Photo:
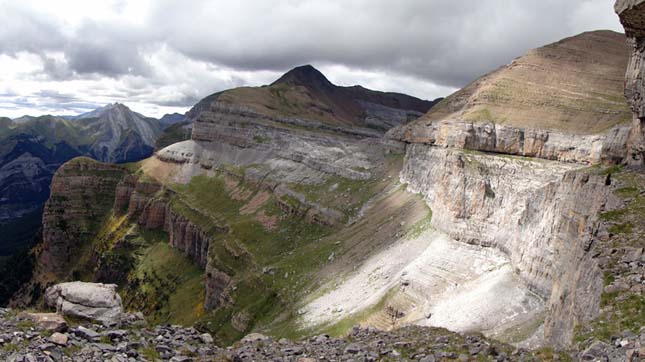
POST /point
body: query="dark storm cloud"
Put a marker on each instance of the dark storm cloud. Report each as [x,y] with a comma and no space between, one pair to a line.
[108,49]
[448,43]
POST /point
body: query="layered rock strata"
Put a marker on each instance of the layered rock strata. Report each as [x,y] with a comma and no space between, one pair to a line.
[632,16]
[91,301]
[605,148]
[541,214]
[82,193]
[137,199]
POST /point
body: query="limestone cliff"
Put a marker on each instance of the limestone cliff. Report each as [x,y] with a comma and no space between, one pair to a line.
[286,210]
[631,13]
[559,102]
[83,192]
[542,214]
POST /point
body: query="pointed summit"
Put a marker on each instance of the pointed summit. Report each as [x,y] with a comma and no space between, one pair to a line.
[101,111]
[307,76]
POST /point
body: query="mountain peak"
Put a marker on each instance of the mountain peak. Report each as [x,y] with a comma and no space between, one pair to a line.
[116,105]
[110,107]
[305,75]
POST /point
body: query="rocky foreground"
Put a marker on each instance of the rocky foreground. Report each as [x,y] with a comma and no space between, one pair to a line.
[31,337]
[28,337]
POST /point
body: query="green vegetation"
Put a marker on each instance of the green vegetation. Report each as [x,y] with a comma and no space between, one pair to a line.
[347,195]
[243,246]
[260,139]
[480,115]
[624,314]
[150,353]
[620,310]
[164,284]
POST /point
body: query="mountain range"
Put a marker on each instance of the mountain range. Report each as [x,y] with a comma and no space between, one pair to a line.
[32,149]
[505,211]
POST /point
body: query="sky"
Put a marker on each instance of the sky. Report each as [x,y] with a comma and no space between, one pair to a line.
[67,57]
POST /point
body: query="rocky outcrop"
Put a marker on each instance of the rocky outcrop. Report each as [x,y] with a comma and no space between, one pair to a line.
[217,284]
[134,342]
[92,301]
[558,102]
[541,214]
[187,237]
[605,148]
[155,213]
[342,153]
[632,16]
[137,199]
[82,193]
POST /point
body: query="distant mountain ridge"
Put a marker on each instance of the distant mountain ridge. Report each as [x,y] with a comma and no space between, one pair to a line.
[32,149]
[305,93]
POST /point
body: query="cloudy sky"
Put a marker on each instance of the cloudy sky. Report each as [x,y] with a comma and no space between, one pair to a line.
[159,56]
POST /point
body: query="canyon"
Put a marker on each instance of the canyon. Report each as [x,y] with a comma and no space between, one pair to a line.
[302,208]
[33,148]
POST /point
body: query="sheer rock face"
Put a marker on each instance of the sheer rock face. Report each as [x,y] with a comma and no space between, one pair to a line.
[632,16]
[82,192]
[605,148]
[137,199]
[541,214]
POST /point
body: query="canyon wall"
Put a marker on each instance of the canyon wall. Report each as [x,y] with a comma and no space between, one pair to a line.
[82,194]
[606,148]
[632,16]
[542,214]
[141,201]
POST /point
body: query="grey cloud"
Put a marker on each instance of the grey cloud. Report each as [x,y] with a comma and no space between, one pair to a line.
[186,100]
[448,43]
[108,49]
[27,29]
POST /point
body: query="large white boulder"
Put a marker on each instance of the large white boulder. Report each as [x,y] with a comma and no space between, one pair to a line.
[93,301]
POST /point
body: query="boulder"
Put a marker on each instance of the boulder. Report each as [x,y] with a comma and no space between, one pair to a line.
[92,301]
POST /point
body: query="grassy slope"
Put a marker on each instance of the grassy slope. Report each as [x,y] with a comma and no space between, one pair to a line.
[574,85]
[165,284]
[273,265]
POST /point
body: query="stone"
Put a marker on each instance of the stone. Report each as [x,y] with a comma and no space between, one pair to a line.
[631,16]
[92,301]
[89,334]
[59,339]
[181,359]
[291,351]
[352,349]
[596,350]
[206,338]
[116,334]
